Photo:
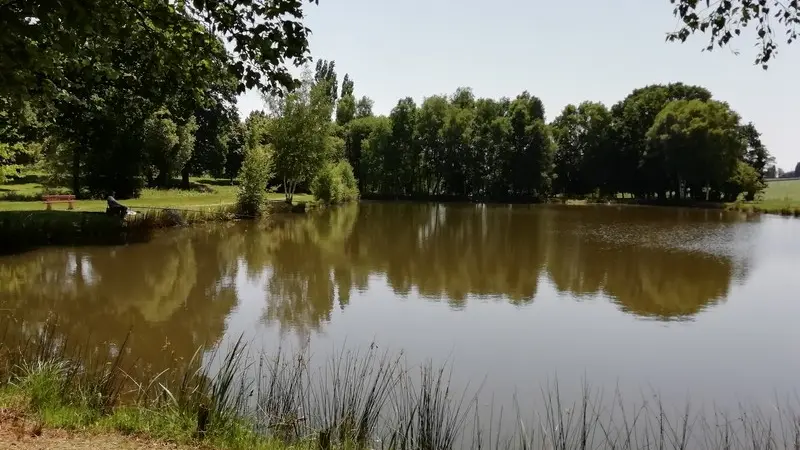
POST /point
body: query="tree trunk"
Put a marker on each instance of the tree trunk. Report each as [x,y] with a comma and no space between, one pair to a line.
[185,177]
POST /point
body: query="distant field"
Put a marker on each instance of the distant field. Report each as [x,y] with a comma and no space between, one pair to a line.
[780,197]
[783,190]
[205,193]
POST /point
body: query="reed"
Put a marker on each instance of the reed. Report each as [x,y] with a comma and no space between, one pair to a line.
[354,399]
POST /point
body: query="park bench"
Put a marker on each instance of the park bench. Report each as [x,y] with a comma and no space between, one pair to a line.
[50,199]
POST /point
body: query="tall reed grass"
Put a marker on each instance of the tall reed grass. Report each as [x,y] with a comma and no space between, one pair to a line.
[358,399]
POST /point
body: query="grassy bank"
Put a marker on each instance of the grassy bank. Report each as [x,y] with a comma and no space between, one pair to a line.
[25,222]
[26,195]
[781,197]
[20,230]
[354,399]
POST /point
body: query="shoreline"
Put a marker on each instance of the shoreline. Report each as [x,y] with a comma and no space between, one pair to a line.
[23,230]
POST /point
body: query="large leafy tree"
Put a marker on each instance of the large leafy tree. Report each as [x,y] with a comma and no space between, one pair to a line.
[43,39]
[724,20]
[430,123]
[699,143]
[583,159]
[632,171]
[402,161]
[529,153]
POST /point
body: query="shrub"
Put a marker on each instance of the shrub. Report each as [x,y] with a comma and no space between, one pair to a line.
[335,183]
[326,186]
[253,178]
[349,182]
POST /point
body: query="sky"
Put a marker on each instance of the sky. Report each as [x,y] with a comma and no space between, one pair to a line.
[562,51]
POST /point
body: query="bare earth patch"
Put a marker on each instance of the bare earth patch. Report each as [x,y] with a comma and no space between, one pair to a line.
[17,432]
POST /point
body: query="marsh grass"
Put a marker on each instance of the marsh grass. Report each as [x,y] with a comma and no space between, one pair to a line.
[230,398]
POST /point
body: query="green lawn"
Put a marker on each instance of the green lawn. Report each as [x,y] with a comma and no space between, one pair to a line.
[204,193]
[780,197]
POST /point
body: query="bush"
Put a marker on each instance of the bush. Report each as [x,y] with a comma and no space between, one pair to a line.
[253,178]
[335,183]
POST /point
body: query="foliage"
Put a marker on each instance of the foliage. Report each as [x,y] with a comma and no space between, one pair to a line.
[335,183]
[744,180]
[325,77]
[43,36]
[725,20]
[364,107]
[257,169]
[301,134]
[698,144]
[143,57]
[756,154]
[351,399]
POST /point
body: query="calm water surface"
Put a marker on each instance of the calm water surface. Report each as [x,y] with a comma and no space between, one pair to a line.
[689,303]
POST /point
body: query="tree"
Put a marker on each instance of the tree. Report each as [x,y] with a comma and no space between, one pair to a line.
[756,153]
[402,161]
[528,158]
[699,143]
[160,137]
[744,180]
[633,172]
[797,170]
[169,146]
[43,37]
[373,168]
[583,157]
[325,74]
[725,20]
[430,122]
[347,85]
[257,169]
[364,107]
[300,132]
[345,109]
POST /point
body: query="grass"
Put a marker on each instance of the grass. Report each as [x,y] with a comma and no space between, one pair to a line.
[780,197]
[25,222]
[356,399]
[25,195]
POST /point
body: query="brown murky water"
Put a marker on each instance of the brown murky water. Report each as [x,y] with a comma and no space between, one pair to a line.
[686,302]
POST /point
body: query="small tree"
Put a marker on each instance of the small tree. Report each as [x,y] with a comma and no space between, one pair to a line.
[745,180]
[169,146]
[301,134]
[257,169]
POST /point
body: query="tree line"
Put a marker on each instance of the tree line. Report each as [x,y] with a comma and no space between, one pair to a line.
[672,141]
[143,92]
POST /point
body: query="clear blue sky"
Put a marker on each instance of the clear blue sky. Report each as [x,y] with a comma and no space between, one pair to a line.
[561,51]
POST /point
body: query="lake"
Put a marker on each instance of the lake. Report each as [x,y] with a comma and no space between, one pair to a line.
[688,303]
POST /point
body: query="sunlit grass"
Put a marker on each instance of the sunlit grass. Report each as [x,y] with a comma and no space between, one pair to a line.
[780,197]
[204,192]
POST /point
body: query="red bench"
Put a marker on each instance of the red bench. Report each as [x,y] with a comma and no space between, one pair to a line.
[50,199]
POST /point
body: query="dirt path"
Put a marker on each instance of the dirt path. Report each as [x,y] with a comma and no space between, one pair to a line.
[16,433]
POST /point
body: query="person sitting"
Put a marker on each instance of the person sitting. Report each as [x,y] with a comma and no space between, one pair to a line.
[115,208]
